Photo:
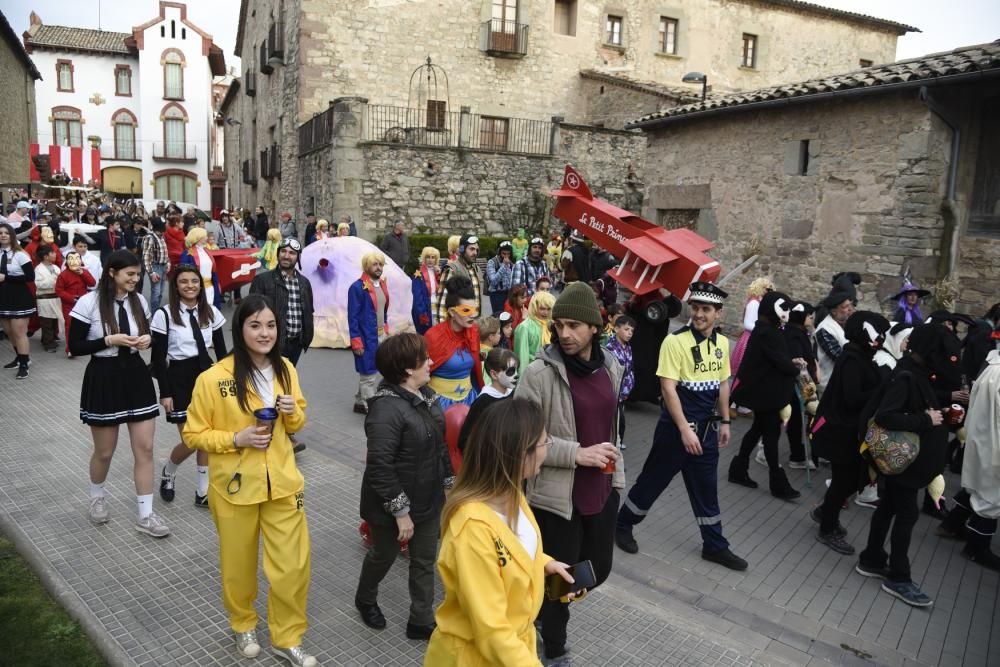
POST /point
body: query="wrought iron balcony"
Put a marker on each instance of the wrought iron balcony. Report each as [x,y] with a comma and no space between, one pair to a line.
[504,39]
[265,65]
[126,152]
[175,151]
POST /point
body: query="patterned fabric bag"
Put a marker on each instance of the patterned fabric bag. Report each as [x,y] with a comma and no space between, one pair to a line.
[892,451]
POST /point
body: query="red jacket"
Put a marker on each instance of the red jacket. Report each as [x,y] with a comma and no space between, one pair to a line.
[174,237]
[70,286]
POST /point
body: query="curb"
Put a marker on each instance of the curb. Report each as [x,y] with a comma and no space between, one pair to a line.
[64,595]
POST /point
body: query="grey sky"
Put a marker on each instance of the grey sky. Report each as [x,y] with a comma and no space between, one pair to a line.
[945,25]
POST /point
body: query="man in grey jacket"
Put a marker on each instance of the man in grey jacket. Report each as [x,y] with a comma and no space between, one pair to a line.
[397,245]
[575,496]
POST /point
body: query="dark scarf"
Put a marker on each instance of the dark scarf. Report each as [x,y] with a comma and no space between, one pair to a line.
[580,367]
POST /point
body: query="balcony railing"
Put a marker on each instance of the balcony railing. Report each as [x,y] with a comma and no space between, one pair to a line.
[111,151]
[250,172]
[505,39]
[175,151]
[415,127]
[270,162]
[316,132]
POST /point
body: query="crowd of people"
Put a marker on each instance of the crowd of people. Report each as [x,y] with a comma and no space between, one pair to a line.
[494,442]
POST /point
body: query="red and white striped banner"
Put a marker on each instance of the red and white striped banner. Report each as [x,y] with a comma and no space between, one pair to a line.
[83,164]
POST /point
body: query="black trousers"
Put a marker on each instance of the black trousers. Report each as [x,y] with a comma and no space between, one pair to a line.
[423,554]
[897,510]
[979,529]
[292,350]
[766,427]
[797,451]
[581,538]
[844,481]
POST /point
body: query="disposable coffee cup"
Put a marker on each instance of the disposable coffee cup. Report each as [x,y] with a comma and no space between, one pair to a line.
[266,418]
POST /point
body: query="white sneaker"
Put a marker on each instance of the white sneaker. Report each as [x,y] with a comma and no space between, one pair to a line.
[247,645]
[759,456]
[868,497]
[802,465]
[98,513]
[153,526]
[828,483]
[296,656]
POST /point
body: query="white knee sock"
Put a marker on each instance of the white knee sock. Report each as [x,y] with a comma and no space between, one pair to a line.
[97,490]
[202,480]
[170,467]
[144,505]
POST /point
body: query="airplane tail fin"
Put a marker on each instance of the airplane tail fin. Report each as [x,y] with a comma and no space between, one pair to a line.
[572,180]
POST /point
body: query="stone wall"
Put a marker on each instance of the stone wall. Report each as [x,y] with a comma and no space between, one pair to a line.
[339,38]
[17,108]
[447,191]
[869,199]
[613,105]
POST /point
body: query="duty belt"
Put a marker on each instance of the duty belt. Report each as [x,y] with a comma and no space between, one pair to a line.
[701,428]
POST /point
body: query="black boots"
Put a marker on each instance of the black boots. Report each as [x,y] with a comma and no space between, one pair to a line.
[23,361]
[977,549]
[780,488]
[738,472]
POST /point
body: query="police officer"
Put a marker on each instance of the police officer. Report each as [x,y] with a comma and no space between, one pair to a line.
[694,384]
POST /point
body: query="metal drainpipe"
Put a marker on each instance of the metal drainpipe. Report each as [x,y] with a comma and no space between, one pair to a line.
[956,143]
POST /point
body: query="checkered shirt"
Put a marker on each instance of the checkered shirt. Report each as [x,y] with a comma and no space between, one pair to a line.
[293,318]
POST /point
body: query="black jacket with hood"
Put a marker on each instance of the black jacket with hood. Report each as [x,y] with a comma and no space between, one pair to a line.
[766,378]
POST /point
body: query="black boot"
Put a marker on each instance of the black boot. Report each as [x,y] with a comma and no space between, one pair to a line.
[22,367]
[780,488]
[738,473]
[953,525]
[977,549]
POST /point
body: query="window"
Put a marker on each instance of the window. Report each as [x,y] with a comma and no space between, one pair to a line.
[124,122]
[668,35]
[614,31]
[564,22]
[176,185]
[749,58]
[865,63]
[123,80]
[64,76]
[173,74]
[505,11]
[436,114]
[67,127]
[493,133]
[174,121]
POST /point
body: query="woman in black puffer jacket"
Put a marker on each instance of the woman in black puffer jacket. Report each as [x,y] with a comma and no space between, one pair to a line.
[408,470]
[765,383]
[855,379]
[909,403]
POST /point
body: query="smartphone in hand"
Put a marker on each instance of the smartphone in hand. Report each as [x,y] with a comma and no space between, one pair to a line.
[583,577]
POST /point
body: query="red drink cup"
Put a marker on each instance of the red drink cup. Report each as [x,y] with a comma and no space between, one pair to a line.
[609,467]
[956,413]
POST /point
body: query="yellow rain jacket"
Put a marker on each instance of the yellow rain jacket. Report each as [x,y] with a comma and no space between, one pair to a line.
[214,415]
[493,591]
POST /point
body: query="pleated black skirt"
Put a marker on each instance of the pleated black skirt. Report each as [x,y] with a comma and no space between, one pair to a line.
[117,390]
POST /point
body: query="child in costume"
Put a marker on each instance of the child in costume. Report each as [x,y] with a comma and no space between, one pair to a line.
[71,284]
[268,254]
[197,254]
[210,244]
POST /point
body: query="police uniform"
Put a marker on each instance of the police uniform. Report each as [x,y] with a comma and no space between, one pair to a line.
[699,365]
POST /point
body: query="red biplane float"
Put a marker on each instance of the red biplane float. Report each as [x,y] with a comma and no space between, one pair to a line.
[657,265]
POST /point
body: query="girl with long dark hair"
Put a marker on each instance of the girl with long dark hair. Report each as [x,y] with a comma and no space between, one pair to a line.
[183,332]
[488,611]
[16,302]
[241,413]
[112,325]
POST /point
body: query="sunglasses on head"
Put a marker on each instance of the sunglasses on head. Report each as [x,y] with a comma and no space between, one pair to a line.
[465,311]
[290,243]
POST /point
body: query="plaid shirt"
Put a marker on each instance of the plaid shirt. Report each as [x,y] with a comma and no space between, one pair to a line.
[527,273]
[154,251]
[623,353]
[293,319]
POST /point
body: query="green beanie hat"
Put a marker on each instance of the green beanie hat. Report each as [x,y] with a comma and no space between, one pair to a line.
[577,302]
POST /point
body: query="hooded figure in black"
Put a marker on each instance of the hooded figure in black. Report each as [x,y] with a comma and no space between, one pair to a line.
[855,379]
[909,403]
[800,345]
[765,383]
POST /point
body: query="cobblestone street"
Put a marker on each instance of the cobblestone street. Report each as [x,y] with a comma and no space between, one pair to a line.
[150,602]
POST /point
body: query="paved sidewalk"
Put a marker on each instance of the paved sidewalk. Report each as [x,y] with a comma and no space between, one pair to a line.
[158,602]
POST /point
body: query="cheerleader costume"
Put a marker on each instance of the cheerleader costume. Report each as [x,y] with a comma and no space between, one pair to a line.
[117,386]
[178,359]
[16,300]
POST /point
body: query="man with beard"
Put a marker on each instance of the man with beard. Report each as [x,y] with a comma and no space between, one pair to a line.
[531,267]
[575,495]
[368,322]
[464,266]
[693,427]
[291,294]
[830,338]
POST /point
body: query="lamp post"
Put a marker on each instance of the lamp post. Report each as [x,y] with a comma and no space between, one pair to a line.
[697,77]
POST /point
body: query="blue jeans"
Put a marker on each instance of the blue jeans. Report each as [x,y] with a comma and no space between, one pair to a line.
[156,288]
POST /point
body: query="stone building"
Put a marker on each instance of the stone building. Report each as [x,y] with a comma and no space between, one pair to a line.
[875,171]
[143,97]
[511,65]
[17,107]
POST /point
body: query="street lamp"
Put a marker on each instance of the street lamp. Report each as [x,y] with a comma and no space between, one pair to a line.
[697,77]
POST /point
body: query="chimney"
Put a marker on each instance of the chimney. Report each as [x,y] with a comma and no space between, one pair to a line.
[34,19]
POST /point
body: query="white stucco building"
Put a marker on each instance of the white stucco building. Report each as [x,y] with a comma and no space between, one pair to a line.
[146,97]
